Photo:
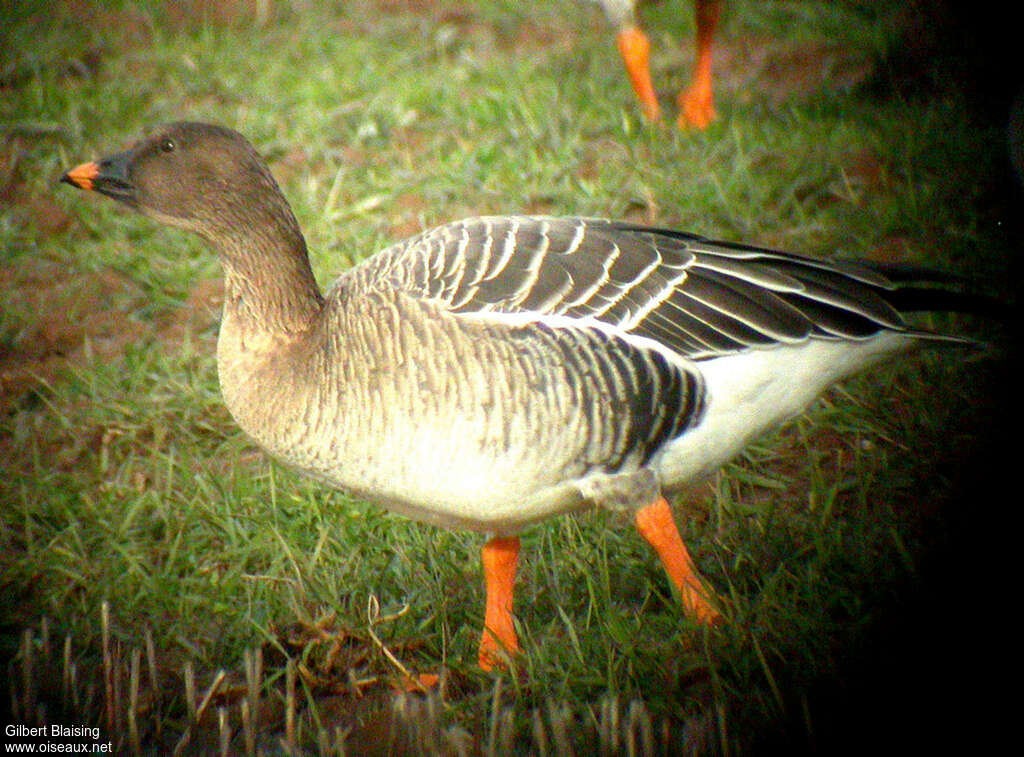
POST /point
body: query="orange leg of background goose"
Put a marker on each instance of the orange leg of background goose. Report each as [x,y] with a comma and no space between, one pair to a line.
[500,558]
[696,105]
[635,49]
[656,524]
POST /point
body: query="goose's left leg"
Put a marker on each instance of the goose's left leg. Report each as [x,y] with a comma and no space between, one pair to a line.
[500,559]
[635,49]
[656,524]
[696,103]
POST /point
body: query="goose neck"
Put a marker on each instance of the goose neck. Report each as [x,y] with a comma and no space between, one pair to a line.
[269,284]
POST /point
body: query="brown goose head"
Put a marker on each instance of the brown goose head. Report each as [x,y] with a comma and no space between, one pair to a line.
[196,176]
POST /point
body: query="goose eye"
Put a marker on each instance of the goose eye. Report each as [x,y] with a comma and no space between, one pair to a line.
[167,145]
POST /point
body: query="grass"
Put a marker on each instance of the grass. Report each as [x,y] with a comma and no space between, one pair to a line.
[126,482]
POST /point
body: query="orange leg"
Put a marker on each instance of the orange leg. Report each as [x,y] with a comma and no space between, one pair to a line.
[635,49]
[696,104]
[656,524]
[500,558]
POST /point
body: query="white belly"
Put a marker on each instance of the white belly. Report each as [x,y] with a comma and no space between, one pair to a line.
[750,393]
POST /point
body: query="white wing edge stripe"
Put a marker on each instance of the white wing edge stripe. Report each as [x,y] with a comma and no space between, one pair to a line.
[820,293]
[598,283]
[753,325]
[508,247]
[435,263]
[485,253]
[455,275]
[664,323]
[568,322]
[533,266]
[778,282]
[760,329]
[654,301]
[577,238]
[849,268]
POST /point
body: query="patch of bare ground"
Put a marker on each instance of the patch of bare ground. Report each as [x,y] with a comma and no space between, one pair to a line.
[60,318]
[750,66]
[59,315]
[521,35]
[135,24]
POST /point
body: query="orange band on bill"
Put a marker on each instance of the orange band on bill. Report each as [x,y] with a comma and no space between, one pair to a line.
[82,176]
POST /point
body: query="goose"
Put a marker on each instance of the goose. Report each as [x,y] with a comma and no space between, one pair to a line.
[696,102]
[496,371]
